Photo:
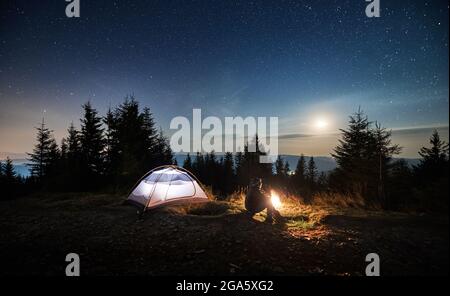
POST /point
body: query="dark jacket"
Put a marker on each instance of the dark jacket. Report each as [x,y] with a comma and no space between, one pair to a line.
[255,200]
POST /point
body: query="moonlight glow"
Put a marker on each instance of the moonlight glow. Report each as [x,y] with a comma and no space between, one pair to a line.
[321,124]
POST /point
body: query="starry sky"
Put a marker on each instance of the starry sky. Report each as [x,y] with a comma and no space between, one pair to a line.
[311,63]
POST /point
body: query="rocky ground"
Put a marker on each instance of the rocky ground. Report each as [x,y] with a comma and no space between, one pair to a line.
[217,238]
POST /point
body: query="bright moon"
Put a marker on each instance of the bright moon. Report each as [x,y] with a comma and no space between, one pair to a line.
[321,123]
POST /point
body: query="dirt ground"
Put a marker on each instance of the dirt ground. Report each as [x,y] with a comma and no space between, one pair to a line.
[217,238]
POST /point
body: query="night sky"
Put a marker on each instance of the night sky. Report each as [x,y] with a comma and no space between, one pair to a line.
[312,63]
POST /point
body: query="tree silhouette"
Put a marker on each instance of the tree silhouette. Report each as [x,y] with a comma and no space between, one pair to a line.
[133,145]
[187,164]
[227,179]
[300,175]
[279,167]
[69,167]
[322,182]
[431,174]
[249,166]
[92,144]
[45,153]
[8,171]
[112,146]
[434,159]
[363,156]
[311,174]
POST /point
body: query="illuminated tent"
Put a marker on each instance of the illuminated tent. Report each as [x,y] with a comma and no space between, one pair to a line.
[164,185]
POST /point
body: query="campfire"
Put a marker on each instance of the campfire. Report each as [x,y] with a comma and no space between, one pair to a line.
[275,199]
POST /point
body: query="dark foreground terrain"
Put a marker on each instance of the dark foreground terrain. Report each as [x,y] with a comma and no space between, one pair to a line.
[217,238]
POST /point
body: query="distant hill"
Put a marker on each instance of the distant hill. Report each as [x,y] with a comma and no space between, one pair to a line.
[21,167]
[323,163]
[12,155]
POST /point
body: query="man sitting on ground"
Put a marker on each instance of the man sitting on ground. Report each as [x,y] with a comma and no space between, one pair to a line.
[256,201]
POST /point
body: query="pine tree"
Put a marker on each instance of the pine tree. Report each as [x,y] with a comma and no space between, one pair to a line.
[8,171]
[431,175]
[279,167]
[381,151]
[281,172]
[9,180]
[228,176]
[150,134]
[44,153]
[351,153]
[435,161]
[286,168]
[92,142]
[322,181]
[300,174]
[250,166]
[436,157]
[164,152]
[311,175]
[134,143]
[73,143]
[63,149]
[70,166]
[239,167]
[54,159]
[187,164]
[364,156]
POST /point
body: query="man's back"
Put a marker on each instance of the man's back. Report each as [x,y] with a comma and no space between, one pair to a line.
[255,201]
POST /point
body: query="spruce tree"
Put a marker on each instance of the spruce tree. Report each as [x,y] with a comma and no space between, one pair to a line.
[8,171]
[364,155]
[73,143]
[44,153]
[322,181]
[432,171]
[92,142]
[150,135]
[239,168]
[311,175]
[300,174]
[351,152]
[112,146]
[286,168]
[228,176]
[434,159]
[279,166]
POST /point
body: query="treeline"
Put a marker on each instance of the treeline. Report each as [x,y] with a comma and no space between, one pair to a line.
[113,151]
[107,152]
[230,172]
[10,182]
[366,169]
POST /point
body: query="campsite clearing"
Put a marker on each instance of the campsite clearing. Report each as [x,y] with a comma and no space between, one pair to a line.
[215,238]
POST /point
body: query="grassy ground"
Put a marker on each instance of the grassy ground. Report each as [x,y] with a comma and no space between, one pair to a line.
[217,238]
